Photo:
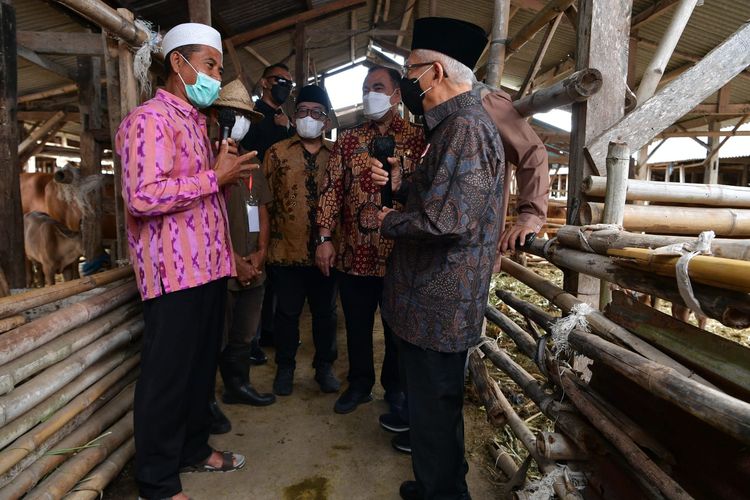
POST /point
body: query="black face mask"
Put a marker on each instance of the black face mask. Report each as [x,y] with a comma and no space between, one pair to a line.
[412,94]
[280,93]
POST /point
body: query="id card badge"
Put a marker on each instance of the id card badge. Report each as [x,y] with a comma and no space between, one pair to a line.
[253,218]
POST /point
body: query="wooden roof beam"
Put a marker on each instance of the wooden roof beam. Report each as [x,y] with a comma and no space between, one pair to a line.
[718,109]
[658,9]
[677,98]
[324,11]
[540,20]
[46,63]
[45,42]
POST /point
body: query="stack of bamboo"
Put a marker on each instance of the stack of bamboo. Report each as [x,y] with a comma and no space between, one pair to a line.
[66,386]
[682,208]
[663,412]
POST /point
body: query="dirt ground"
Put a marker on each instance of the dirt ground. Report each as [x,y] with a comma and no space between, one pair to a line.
[299,449]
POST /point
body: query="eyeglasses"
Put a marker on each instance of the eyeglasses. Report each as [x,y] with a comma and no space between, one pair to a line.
[407,67]
[281,80]
[317,115]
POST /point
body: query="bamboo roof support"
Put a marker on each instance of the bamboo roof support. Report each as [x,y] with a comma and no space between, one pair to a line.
[540,20]
[578,87]
[498,39]
[109,19]
[618,164]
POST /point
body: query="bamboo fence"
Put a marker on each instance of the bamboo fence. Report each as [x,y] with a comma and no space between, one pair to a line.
[66,386]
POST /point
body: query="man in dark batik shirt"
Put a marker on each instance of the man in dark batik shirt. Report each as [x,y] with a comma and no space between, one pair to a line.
[437,281]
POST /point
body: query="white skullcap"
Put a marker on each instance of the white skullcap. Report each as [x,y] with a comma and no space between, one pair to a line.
[190,34]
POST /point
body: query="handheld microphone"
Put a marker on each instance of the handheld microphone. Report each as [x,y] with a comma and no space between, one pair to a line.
[383,148]
[226,122]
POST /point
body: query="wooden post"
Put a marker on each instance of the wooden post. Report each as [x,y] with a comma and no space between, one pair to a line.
[603,37]
[618,161]
[299,56]
[711,175]
[112,70]
[128,90]
[89,100]
[200,11]
[408,12]
[496,61]
[11,229]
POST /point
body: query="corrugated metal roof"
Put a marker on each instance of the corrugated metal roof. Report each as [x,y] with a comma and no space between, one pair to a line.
[329,41]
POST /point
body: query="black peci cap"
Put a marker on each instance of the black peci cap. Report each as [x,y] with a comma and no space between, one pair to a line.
[457,39]
[314,93]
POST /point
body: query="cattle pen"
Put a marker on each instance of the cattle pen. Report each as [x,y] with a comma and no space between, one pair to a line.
[635,403]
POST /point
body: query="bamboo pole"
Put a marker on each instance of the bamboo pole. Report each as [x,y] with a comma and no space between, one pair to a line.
[99,421]
[54,403]
[634,455]
[18,303]
[601,241]
[714,195]
[9,323]
[730,308]
[643,438]
[523,340]
[108,18]
[676,220]
[503,460]
[496,59]
[713,271]
[74,469]
[578,87]
[527,310]
[82,405]
[53,352]
[664,50]
[555,446]
[728,414]
[93,486]
[598,322]
[487,390]
[32,335]
[528,439]
[618,163]
[46,383]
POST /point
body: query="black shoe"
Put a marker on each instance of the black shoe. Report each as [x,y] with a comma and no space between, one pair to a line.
[326,379]
[266,339]
[220,424]
[246,395]
[409,490]
[257,356]
[284,381]
[393,423]
[350,399]
[401,442]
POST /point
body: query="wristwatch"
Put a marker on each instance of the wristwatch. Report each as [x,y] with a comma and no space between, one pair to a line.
[322,239]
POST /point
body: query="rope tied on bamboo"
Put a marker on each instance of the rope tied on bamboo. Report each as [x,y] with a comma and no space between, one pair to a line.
[542,488]
[483,340]
[142,59]
[688,250]
[595,228]
[562,327]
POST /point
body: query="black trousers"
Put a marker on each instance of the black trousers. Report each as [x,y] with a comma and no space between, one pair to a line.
[360,297]
[293,285]
[435,390]
[181,342]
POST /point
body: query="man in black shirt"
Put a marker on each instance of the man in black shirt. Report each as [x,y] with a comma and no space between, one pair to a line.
[277,85]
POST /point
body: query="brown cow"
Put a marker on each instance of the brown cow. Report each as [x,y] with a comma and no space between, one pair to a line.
[50,244]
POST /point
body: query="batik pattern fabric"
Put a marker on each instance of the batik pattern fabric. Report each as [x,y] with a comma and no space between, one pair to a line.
[437,282]
[350,201]
[294,176]
[176,214]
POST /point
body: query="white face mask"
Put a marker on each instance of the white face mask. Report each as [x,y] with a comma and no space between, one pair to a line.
[376,105]
[241,126]
[309,128]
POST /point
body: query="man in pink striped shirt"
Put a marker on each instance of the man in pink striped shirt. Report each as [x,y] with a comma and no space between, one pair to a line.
[180,249]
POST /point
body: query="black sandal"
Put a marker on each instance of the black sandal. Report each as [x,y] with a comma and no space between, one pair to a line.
[227,464]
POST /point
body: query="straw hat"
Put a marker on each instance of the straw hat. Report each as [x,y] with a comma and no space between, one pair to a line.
[234,95]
